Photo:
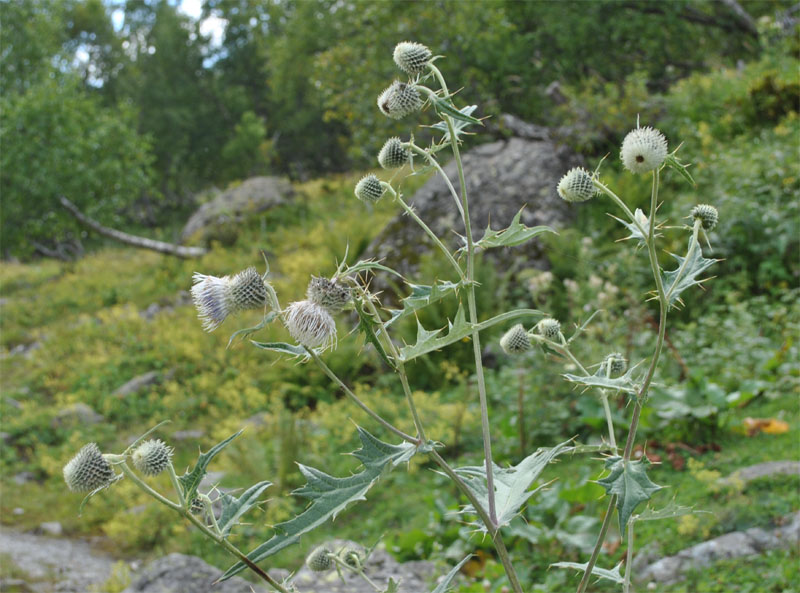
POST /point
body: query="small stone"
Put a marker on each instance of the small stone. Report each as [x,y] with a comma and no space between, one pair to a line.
[185,435]
[24,477]
[18,511]
[74,414]
[53,528]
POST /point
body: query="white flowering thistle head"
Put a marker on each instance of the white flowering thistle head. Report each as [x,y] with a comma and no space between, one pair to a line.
[516,341]
[643,150]
[615,363]
[88,470]
[707,215]
[412,57]
[152,457]
[320,559]
[328,294]
[310,324]
[549,328]
[399,100]
[369,189]
[576,186]
[393,155]
[216,298]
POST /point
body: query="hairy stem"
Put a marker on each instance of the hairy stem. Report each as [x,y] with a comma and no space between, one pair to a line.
[626,585]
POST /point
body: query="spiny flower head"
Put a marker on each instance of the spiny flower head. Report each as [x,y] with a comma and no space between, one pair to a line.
[319,560]
[310,324]
[516,340]
[152,457]
[399,100]
[412,57]
[576,186]
[643,150]
[615,363]
[328,294]
[707,215]
[196,506]
[88,470]
[369,189]
[549,328]
[393,155]
[352,557]
[216,298]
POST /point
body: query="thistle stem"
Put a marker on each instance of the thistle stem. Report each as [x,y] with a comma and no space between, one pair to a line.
[177,485]
[626,585]
[435,164]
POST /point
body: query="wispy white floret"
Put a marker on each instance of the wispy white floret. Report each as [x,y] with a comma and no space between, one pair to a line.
[576,186]
[88,470]
[152,457]
[412,57]
[216,298]
[310,324]
[399,100]
[643,150]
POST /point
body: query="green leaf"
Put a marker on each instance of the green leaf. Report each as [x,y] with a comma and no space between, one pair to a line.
[191,479]
[685,275]
[392,586]
[243,333]
[458,329]
[281,347]
[634,228]
[445,585]
[683,170]
[368,265]
[624,383]
[603,573]
[370,328]
[670,511]
[629,482]
[511,484]
[330,495]
[422,296]
[458,125]
[233,508]
[446,107]
[516,234]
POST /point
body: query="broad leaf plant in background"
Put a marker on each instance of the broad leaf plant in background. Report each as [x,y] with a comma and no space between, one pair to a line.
[494,496]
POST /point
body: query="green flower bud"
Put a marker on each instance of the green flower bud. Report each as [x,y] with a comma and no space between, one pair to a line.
[319,560]
[411,57]
[643,150]
[707,214]
[576,186]
[393,155]
[352,557]
[88,470]
[196,507]
[549,328]
[399,100]
[616,363]
[327,294]
[369,189]
[152,457]
[515,341]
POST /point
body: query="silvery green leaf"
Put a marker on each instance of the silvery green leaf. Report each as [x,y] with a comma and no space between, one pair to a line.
[422,296]
[233,508]
[634,228]
[446,107]
[672,510]
[624,383]
[458,124]
[243,333]
[516,234]
[191,479]
[458,329]
[367,265]
[511,484]
[603,573]
[629,482]
[683,170]
[370,328]
[685,275]
[392,586]
[330,495]
[446,585]
[282,347]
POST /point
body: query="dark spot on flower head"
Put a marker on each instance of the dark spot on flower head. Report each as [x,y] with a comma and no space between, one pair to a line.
[639,158]
[385,106]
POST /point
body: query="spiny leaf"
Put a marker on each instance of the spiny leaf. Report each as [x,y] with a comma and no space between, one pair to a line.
[458,124]
[392,586]
[243,333]
[444,106]
[511,484]
[458,329]
[603,573]
[282,347]
[634,228]
[233,508]
[516,234]
[330,495]
[685,275]
[369,327]
[683,170]
[624,383]
[191,479]
[672,510]
[367,265]
[629,482]
[422,296]
[445,585]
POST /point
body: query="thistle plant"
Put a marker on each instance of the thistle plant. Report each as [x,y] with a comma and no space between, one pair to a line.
[493,496]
